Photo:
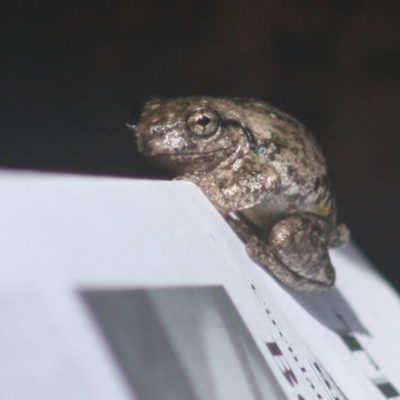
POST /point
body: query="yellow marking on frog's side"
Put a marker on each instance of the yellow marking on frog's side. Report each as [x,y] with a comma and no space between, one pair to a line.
[322,209]
[253,156]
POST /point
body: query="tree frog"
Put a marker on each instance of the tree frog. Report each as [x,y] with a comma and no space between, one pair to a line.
[262,170]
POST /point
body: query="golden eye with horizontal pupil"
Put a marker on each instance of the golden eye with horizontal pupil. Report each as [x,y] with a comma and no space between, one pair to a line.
[203,122]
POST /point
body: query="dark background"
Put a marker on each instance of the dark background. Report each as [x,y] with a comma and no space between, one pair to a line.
[71,71]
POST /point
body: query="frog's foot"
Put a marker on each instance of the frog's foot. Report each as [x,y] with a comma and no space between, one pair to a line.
[261,253]
[339,236]
[222,199]
[297,254]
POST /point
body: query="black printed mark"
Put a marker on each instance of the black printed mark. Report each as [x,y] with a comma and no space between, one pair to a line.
[274,349]
[388,390]
[366,362]
[334,392]
[282,363]
[278,355]
[295,357]
[351,342]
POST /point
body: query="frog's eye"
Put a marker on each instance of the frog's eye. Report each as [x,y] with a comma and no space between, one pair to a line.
[203,122]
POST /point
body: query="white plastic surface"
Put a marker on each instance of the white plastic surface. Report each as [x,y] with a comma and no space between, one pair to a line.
[62,234]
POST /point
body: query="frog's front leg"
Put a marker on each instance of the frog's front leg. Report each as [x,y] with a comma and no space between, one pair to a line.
[208,184]
[297,253]
[240,186]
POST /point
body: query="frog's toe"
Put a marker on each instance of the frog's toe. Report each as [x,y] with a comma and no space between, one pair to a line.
[339,236]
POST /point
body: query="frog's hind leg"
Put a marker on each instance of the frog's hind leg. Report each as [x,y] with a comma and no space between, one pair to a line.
[263,255]
[297,253]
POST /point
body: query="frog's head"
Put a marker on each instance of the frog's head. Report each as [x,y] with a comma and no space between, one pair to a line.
[190,134]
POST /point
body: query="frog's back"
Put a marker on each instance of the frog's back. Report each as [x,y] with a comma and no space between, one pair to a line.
[285,144]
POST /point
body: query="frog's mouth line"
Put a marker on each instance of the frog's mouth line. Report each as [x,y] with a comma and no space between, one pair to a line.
[198,153]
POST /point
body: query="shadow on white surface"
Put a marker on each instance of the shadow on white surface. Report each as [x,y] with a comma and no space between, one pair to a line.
[182,343]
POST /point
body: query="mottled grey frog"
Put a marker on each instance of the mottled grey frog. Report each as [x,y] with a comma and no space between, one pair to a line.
[264,173]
